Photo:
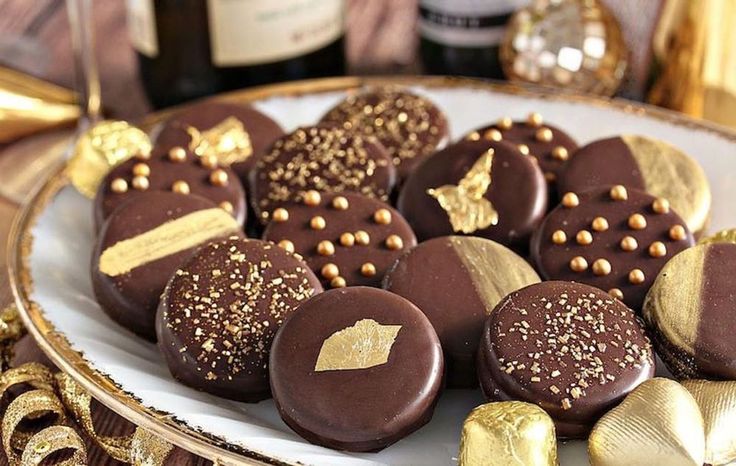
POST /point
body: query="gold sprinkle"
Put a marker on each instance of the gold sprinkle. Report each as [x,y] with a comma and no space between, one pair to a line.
[394,242]
[636,276]
[619,193]
[362,238]
[534,119]
[584,237]
[208,161]
[677,233]
[340,203]
[330,271]
[338,282]
[227,207]
[140,183]
[119,186]
[181,187]
[560,153]
[402,117]
[578,264]
[637,222]
[570,200]
[505,123]
[661,206]
[141,169]
[559,237]
[601,267]
[368,269]
[657,249]
[347,239]
[523,148]
[629,243]
[493,135]
[616,293]
[566,404]
[544,135]
[219,177]
[280,215]
[317,223]
[177,154]
[326,248]
[287,245]
[382,216]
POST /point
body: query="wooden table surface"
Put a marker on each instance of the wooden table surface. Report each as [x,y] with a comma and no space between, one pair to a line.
[34,37]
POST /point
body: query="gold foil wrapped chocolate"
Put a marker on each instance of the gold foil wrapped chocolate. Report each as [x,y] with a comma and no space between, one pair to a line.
[574,44]
[717,402]
[360,346]
[508,433]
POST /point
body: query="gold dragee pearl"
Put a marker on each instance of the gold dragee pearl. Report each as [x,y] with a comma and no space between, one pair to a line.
[227,207]
[616,293]
[657,249]
[317,223]
[181,187]
[523,148]
[382,216]
[677,233]
[368,269]
[143,155]
[505,123]
[140,183]
[493,135]
[636,277]
[559,237]
[601,267]
[570,200]
[177,154]
[338,282]
[637,222]
[312,198]
[280,215]
[287,245]
[629,243]
[584,237]
[141,169]
[219,177]
[560,153]
[578,264]
[119,186]
[394,242]
[599,224]
[535,119]
[340,203]
[347,239]
[325,248]
[619,193]
[544,135]
[330,271]
[362,238]
[661,206]
[208,161]
[474,136]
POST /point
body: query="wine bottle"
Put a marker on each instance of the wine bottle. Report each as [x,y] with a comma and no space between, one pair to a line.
[462,37]
[192,48]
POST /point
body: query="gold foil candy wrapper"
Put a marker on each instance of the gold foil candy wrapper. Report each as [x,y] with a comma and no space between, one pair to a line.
[508,433]
[573,44]
[103,146]
[658,423]
[717,402]
[360,346]
[723,236]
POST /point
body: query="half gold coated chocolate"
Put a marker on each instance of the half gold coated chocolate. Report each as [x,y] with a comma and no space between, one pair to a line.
[717,401]
[659,423]
[101,147]
[508,433]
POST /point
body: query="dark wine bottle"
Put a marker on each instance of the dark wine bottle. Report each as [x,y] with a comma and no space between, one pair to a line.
[193,48]
[462,37]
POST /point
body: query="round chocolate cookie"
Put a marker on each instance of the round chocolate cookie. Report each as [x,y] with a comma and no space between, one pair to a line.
[141,245]
[614,238]
[409,126]
[457,281]
[567,347]
[175,170]
[356,369]
[321,159]
[551,146]
[691,309]
[220,311]
[642,163]
[483,188]
[235,134]
[347,239]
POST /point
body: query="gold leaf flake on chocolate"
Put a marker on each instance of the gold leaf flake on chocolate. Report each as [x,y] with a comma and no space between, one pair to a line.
[723,236]
[228,141]
[717,402]
[465,204]
[166,239]
[360,346]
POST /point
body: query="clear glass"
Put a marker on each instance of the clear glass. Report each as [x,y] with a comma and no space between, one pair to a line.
[85,64]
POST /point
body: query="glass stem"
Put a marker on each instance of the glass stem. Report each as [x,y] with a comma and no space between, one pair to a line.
[85,64]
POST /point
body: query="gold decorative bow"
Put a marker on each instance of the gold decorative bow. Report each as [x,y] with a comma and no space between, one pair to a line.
[465,204]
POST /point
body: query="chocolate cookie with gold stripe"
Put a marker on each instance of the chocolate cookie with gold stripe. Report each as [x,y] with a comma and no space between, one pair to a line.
[691,309]
[141,245]
[614,238]
[642,163]
[456,281]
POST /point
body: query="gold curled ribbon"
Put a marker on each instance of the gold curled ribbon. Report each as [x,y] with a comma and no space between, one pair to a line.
[51,440]
[148,450]
[34,374]
[27,405]
[11,330]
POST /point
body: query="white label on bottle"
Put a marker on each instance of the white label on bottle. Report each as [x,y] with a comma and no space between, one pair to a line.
[466,23]
[248,32]
[142,26]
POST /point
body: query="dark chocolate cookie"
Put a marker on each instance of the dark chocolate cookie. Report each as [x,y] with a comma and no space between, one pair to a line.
[347,239]
[614,238]
[567,347]
[141,245]
[483,188]
[456,281]
[356,369]
[220,311]
[321,159]
[409,126]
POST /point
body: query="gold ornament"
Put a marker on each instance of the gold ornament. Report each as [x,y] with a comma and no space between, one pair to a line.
[574,44]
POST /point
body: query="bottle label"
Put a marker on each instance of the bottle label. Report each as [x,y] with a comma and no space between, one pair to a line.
[466,23]
[249,32]
[142,26]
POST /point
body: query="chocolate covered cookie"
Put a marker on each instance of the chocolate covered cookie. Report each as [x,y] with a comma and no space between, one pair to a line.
[691,309]
[642,163]
[356,369]
[614,238]
[220,311]
[456,281]
[347,239]
[141,245]
[175,170]
[482,188]
[551,146]
[322,159]
[567,347]
[408,125]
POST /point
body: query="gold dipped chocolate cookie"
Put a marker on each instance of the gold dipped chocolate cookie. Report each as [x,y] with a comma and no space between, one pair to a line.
[644,163]
[691,310]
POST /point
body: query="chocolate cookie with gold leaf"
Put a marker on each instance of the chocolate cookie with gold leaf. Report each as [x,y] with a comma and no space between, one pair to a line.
[324,159]
[356,369]
[220,311]
[410,126]
[642,163]
[141,245]
[481,188]
[614,238]
[347,239]
[691,309]
[569,348]
[175,170]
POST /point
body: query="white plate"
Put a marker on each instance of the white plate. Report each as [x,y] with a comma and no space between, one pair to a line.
[53,272]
